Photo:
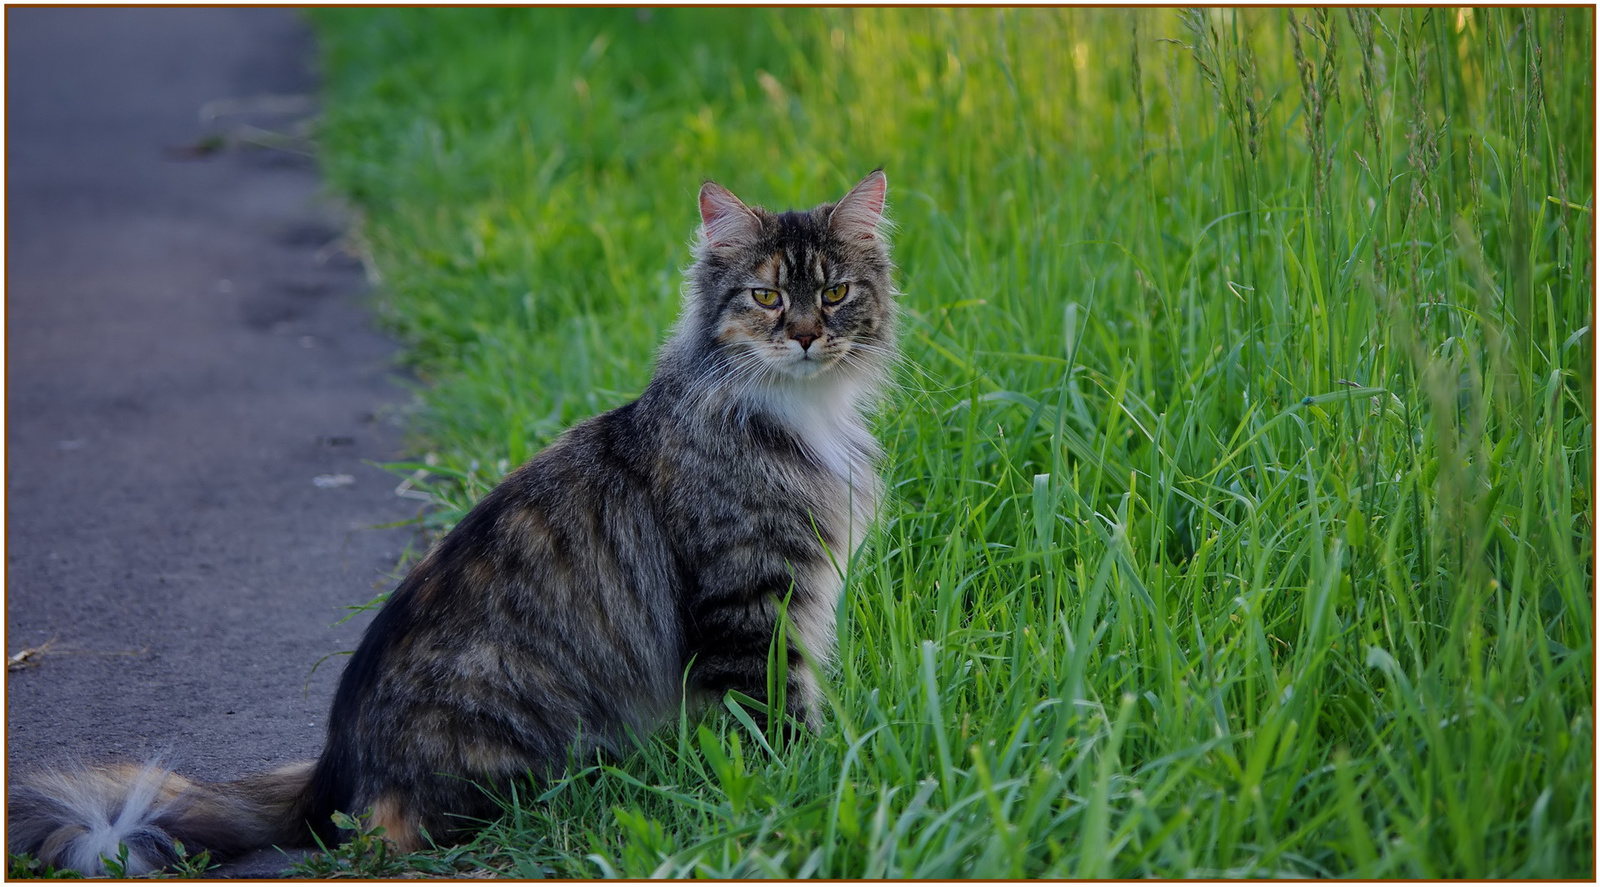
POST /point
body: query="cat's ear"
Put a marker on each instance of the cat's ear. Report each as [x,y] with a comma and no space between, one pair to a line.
[859,214]
[725,220]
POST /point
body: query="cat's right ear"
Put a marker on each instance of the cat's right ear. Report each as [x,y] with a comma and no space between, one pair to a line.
[724,220]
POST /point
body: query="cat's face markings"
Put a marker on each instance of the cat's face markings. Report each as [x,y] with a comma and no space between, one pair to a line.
[796,291]
[784,313]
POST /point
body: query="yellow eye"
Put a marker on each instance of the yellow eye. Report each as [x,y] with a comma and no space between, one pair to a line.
[835,294]
[765,298]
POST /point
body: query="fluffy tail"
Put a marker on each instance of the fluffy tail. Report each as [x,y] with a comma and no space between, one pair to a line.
[73,819]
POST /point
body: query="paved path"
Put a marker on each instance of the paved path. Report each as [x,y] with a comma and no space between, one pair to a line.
[184,356]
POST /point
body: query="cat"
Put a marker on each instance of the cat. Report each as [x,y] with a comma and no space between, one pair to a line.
[652,548]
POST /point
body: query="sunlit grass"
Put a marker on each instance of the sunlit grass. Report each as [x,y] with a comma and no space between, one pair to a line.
[1241,468]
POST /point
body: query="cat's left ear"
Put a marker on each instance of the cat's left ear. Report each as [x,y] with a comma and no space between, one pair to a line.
[859,214]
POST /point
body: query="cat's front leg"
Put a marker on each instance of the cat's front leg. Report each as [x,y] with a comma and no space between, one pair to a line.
[731,637]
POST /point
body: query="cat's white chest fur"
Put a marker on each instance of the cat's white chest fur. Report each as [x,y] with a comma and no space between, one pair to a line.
[826,418]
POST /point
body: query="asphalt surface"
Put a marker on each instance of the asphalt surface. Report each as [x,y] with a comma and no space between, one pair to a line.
[187,351]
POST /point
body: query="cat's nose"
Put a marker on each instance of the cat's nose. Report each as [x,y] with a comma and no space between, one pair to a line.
[805,340]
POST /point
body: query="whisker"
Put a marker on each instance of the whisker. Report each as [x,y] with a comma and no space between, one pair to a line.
[897,359]
[722,369]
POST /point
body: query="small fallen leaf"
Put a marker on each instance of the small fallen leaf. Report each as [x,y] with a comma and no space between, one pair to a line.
[27,658]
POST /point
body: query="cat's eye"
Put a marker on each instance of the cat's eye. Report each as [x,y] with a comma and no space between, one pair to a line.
[764,297]
[835,294]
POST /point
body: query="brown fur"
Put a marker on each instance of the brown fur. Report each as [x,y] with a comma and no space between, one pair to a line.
[399,824]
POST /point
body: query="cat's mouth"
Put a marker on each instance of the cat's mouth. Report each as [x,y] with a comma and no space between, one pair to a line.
[806,363]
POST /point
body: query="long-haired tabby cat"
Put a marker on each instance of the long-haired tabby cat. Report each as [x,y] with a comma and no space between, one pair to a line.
[647,549]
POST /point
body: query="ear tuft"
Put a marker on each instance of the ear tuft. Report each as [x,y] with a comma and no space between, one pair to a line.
[725,220]
[859,214]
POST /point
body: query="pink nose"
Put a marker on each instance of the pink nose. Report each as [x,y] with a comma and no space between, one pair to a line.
[805,341]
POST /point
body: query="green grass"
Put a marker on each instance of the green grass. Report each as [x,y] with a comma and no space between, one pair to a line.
[1241,470]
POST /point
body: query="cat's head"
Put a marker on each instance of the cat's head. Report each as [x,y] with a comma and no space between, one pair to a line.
[798,295]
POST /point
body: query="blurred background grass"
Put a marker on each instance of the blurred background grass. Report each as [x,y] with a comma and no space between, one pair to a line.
[1242,467]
